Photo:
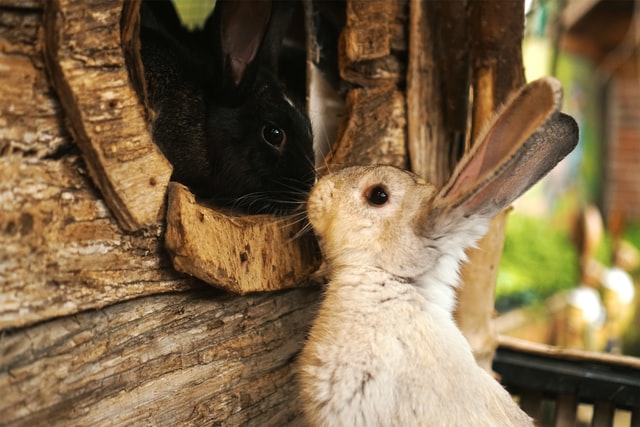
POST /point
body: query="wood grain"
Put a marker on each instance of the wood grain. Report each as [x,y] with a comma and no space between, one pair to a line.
[84,54]
[63,252]
[239,254]
[375,129]
[372,42]
[437,87]
[97,326]
[194,358]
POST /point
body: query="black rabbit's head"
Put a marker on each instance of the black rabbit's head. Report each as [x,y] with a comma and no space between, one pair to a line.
[222,118]
[260,146]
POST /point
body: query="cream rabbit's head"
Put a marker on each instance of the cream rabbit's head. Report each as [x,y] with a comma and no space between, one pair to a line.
[385,218]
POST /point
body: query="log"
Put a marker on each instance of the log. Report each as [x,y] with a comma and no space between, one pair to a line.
[370,41]
[374,128]
[62,251]
[178,359]
[437,88]
[86,61]
[85,58]
[29,124]
[475,311]
[97,326]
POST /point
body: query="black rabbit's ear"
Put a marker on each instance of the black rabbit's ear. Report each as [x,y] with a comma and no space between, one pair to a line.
[526,139]
[243,25]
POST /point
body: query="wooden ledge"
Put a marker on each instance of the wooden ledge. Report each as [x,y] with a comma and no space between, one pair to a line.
[560,353]
[240,254]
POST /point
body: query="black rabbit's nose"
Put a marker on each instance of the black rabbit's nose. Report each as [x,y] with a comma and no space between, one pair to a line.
[274,136]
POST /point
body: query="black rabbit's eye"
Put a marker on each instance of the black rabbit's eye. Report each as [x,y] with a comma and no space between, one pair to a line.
[273,135]
[377,195]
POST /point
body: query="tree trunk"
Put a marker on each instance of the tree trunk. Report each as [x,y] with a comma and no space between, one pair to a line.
[97,325]
[452,45]
[497,70]
[196,358]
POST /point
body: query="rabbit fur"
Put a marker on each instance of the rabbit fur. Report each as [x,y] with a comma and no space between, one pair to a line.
[222,118]
[384,349]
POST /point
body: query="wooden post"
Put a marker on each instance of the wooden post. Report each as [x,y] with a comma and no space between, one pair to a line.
[452,45]
[497,28]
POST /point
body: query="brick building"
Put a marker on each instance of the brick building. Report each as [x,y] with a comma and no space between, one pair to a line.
[608,34]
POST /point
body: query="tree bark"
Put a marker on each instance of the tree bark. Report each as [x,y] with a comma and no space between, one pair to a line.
[371,47]
[237,253]
[437,87]
[192,359]
[62,252]
[497,28]
[85,58]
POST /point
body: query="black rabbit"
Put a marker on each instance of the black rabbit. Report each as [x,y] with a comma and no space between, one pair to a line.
[221,116]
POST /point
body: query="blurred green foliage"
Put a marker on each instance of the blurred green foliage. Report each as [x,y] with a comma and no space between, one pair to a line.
[539,259]
[193,13]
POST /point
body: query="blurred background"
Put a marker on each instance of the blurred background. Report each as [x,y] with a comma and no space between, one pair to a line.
[570,266]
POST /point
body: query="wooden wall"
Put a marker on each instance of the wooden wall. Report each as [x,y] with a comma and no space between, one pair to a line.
[97,328]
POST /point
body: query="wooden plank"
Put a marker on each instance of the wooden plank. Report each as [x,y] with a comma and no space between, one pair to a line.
[566,409]
[84,55]
[192,358]
[603,413]
[531,403]
[568,354]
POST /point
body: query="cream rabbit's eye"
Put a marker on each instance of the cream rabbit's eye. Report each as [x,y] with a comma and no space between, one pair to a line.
[377,195]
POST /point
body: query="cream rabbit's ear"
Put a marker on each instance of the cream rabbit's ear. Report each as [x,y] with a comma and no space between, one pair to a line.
[525,140]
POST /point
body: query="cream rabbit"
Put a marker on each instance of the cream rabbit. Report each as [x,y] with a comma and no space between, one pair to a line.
[384,349]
